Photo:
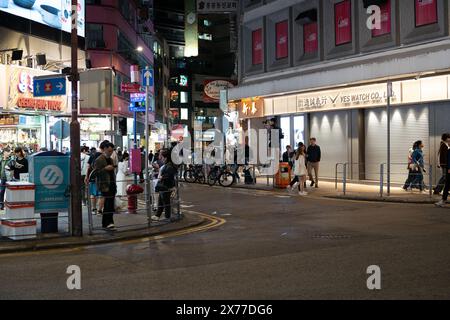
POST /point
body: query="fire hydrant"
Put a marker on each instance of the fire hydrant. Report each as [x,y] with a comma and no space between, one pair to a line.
[132,191]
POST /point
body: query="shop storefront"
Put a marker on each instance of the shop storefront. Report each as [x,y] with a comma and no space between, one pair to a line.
[350,123]
[24,119]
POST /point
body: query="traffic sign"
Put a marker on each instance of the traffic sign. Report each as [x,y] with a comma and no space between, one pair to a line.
[49,86]
[147,77]
[137,107]
[137,97]
[130,87]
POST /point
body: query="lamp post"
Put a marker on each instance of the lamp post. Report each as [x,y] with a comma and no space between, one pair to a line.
[75,172]
[389,95]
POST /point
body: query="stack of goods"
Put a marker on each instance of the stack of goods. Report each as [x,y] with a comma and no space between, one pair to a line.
[18,223]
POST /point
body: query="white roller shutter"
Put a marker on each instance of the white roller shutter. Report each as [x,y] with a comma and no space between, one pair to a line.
[408,124]
[331,131]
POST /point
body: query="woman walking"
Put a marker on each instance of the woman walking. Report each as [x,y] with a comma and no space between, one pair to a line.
[418,166]
[122,173]
[300,168]
[408,183]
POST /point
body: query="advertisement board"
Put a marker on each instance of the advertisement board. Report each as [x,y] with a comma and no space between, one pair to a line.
[385,20]
[52,13]
[281,30]
[310,38]
[343,22]
[212,88]
[257,52]
[50,172]
[426,12]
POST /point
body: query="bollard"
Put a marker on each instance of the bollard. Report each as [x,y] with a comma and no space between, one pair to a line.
[336,176]
[381,179]
[430,180]
[89,207]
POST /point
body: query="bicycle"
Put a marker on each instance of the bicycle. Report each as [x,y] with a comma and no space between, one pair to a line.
[223,175]
[194,174]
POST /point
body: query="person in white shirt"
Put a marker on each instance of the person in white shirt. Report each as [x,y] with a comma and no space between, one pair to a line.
[300,170]
[84,160]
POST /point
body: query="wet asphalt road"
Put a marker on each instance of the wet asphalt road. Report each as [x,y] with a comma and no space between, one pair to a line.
[272,246]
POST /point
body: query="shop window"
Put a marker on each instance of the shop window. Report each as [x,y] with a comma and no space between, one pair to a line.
[426,12]
[257,54]
[385,27]
[299,129]
[281,36]
[285,124]
[343,22]
[310,38]
[184,97]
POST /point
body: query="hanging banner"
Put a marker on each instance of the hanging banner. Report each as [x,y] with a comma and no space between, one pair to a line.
[310,38]
[385,20]
[190,29]
[281,30]
[426,12]
[343,24]
[257,54]
[217,6]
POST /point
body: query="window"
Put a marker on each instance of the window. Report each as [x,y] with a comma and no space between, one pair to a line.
[281,36]
[184,97]
[94,35]
[385,20]
[426,12]
[257,54]
[310,38]
[205,36]
[343,24]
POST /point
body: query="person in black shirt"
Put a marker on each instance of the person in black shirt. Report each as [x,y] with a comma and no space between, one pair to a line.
[20,164]
[90,180]
[287,156]
[313,155]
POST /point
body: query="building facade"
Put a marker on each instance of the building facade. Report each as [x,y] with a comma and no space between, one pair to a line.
[322,68]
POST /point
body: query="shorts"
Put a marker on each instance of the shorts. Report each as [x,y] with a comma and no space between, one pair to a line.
[93,191]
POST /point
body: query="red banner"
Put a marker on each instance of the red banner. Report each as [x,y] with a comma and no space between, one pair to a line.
[385,20]
[257,53]
[343,22]
[310,38]
[281,31]
[426,12]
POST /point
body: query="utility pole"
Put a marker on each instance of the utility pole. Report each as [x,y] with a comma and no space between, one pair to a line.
[75,172]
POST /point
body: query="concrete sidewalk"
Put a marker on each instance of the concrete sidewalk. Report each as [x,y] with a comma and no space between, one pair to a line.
[354,191]
[128,226]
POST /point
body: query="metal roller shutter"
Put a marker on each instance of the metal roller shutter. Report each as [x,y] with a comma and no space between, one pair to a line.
[408,124]
[331,131]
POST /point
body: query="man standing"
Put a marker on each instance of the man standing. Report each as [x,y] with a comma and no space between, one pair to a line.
[106,182]
[4,162]
[313,155]
[447,183]
[445,144]
[287,155]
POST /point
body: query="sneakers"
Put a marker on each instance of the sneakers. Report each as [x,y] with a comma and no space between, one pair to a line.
[304,193]
[94,212]
[110,226]
[312,184]
[155,218]
[440,204]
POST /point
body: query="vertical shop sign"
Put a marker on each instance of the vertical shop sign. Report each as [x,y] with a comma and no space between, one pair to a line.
[281,31]
[310,38]
[385,20]
[343,24]
[426,12]
[257,47]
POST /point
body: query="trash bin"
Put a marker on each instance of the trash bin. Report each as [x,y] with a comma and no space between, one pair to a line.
[283,176]
[49,222]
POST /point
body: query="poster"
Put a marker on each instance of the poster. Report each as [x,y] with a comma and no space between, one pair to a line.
[310,38]
[257,53]
[52,13]
[426,12]
[385,20]
[343,24]
[281,39]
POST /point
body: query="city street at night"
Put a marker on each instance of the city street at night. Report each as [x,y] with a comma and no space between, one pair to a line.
[271,246]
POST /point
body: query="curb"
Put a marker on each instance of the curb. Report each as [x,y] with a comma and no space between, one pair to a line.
[37,245]
[384,199]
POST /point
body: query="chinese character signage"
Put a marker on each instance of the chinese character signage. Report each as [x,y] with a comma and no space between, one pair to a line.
[426,12]
[281,30]
[257,52]
[251,108]
[343,23]
[217,6]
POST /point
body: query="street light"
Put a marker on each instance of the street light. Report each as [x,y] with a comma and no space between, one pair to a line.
[140,49]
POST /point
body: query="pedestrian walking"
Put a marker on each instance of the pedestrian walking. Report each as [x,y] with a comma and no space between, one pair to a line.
[418,166]
[445,145]
[122,175]
[20,164]
[84,160]
[94,193]
[447,183]
[300,169]
[164,186]
[313,157]
[408,183]
[287,156]
[106,183]
[4,174]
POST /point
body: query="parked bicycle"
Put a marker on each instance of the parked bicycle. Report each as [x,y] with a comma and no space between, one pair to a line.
[194,174]
[223,175]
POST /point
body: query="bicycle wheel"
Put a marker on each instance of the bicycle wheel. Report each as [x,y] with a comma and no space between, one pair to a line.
[189,176]
[226,179]
[200,177]
[212,178]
